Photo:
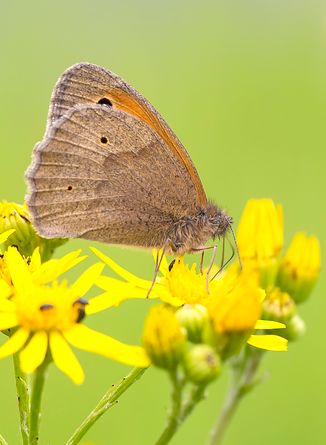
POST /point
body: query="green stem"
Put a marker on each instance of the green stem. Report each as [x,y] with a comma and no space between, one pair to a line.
[241,383]
[109,399]
[22,388]
[3,441]
[197,395]
[175,411]
[36,399]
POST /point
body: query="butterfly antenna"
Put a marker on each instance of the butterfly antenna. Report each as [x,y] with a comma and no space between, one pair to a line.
[236,246]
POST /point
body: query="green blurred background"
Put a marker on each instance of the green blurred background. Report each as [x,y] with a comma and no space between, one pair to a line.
[243,85]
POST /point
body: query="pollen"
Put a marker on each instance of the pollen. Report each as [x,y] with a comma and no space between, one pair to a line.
[47,308]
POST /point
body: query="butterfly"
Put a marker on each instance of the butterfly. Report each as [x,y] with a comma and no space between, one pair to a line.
[110,169]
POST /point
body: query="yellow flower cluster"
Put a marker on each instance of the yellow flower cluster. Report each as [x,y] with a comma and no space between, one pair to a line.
[193,326]
[44,317]
[287,279]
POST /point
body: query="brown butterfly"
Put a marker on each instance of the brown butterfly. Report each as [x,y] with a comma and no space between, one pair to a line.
[110,169]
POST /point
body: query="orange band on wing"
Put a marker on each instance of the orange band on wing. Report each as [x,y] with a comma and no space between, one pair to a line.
[124,102]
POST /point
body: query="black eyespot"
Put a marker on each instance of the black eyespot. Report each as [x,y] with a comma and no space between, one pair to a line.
[104,140]
[69,187]
[105,101]
[171,265]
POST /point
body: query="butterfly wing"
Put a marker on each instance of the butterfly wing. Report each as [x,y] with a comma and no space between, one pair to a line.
[86,83]
[106,175]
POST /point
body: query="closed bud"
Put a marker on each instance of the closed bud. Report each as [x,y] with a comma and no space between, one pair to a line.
[193,318]
[295,328]
[163,337]
[202,364]
[15,217]
[278,306]
[299,269]
[260,239]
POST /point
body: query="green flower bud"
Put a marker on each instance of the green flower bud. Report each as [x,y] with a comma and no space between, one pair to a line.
[15,216]
[278,306]
[226,344]
[295,328]
[193,318]
[202,364]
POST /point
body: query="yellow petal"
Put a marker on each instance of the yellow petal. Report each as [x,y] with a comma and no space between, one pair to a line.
[268,342]
[65,359]
[268,324]
[15,342]
[5,289]
[52,269]
[89,340]
[118,293]
[8,320]
[18,269]
[87,279]
[35,260]
[7,305]
[5,235]
[121,271]
[32,356]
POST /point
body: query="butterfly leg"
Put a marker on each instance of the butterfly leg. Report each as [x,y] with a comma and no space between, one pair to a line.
[158,262]
[223,266]
[202,262]
[210,266]
[223,253]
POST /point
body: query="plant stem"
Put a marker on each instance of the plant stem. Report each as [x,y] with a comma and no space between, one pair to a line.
[109,399]
[3,441]
[36,399]
[175,411]
[195,397]
[241,383]
[180,410]
[22,388]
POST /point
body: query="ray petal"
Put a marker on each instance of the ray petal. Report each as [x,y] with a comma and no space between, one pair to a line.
[65,359]
[268,342]
[87,279]
[123,273]
[269,324]
[15,342]
[32,356]
[87,339]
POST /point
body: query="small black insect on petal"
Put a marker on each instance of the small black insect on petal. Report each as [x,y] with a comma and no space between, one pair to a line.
[171,265]
[81,302]
[46,306]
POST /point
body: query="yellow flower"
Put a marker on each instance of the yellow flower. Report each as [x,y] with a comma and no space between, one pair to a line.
[236,308]
[234,312]
[47,318]
[15,216]
[181,285]
[4,274]
[163,337]
[260,239]
[41,273]
[299,269]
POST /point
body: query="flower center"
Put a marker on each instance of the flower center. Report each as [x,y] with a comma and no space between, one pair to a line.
[185,283]
[49,308]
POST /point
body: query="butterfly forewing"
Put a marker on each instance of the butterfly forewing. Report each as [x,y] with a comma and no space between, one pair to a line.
[86,83]
[102,174]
